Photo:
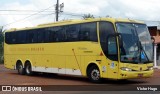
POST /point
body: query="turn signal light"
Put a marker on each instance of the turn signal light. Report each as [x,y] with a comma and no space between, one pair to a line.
[101,54]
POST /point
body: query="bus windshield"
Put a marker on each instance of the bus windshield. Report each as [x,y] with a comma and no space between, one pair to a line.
[136,44]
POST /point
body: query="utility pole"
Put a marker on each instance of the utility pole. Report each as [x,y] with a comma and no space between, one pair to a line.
[59,9]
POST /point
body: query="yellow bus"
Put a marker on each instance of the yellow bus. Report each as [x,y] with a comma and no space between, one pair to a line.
[94,48]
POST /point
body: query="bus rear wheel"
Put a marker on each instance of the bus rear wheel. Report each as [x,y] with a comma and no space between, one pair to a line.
[20,69]
[28,69]
[93,74]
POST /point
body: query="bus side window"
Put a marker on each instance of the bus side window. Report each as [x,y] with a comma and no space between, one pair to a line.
[21,37]
[8,38]
[84,33]
[18,37]
[88,32]
[49,34]
[32,36]
[14,37]
[60,34]
[41,35]
[72,32]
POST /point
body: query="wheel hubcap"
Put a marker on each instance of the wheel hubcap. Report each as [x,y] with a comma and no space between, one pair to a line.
[20,68]
[28,69]
[95,74]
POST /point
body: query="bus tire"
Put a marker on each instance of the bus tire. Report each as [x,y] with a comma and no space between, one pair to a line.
[20,69]
[28,69]
[93,74]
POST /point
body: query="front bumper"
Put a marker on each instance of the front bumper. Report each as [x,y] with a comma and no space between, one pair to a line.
[135,74]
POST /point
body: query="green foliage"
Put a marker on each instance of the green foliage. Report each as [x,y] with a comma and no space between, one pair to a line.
[1,46]
[1,53]
[1,37]
[85,16]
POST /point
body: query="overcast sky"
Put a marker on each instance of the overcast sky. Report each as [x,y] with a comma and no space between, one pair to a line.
[73,9]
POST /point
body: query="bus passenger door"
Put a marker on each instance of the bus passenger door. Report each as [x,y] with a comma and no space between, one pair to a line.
[108,41]
[112,55]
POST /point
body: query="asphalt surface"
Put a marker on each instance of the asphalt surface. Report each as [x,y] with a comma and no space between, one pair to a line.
[11,77]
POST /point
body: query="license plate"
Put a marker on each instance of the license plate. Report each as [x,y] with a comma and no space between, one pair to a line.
[140,75]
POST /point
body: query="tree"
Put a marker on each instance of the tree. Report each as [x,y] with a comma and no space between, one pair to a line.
[1,36]
[85,16]
[1,44]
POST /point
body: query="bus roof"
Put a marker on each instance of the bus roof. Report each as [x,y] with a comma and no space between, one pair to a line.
[67,22]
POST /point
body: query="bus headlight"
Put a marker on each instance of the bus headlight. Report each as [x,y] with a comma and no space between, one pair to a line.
[150,67]
[126,69]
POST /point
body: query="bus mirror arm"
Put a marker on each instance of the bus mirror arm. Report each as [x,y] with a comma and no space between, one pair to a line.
[119,38]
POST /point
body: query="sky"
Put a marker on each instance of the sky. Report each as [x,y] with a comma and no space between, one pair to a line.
[147,10]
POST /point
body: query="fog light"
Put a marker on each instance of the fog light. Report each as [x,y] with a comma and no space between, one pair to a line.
[150,67]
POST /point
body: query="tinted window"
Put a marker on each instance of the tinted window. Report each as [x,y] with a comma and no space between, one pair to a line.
[7,37]
[107,29]
[14,37]
[72,32]
[69,33]
[88,32]
[60,34]
[40,35]
[21,37]
[50,34]
[112,49]
[32,36]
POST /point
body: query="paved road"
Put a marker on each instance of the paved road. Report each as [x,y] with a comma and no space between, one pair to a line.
[11,77]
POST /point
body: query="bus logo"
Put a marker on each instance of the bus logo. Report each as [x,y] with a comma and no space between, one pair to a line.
[140,69]
[6,88]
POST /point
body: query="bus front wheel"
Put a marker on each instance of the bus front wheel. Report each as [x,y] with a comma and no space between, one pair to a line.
[93,74]
[28,69]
